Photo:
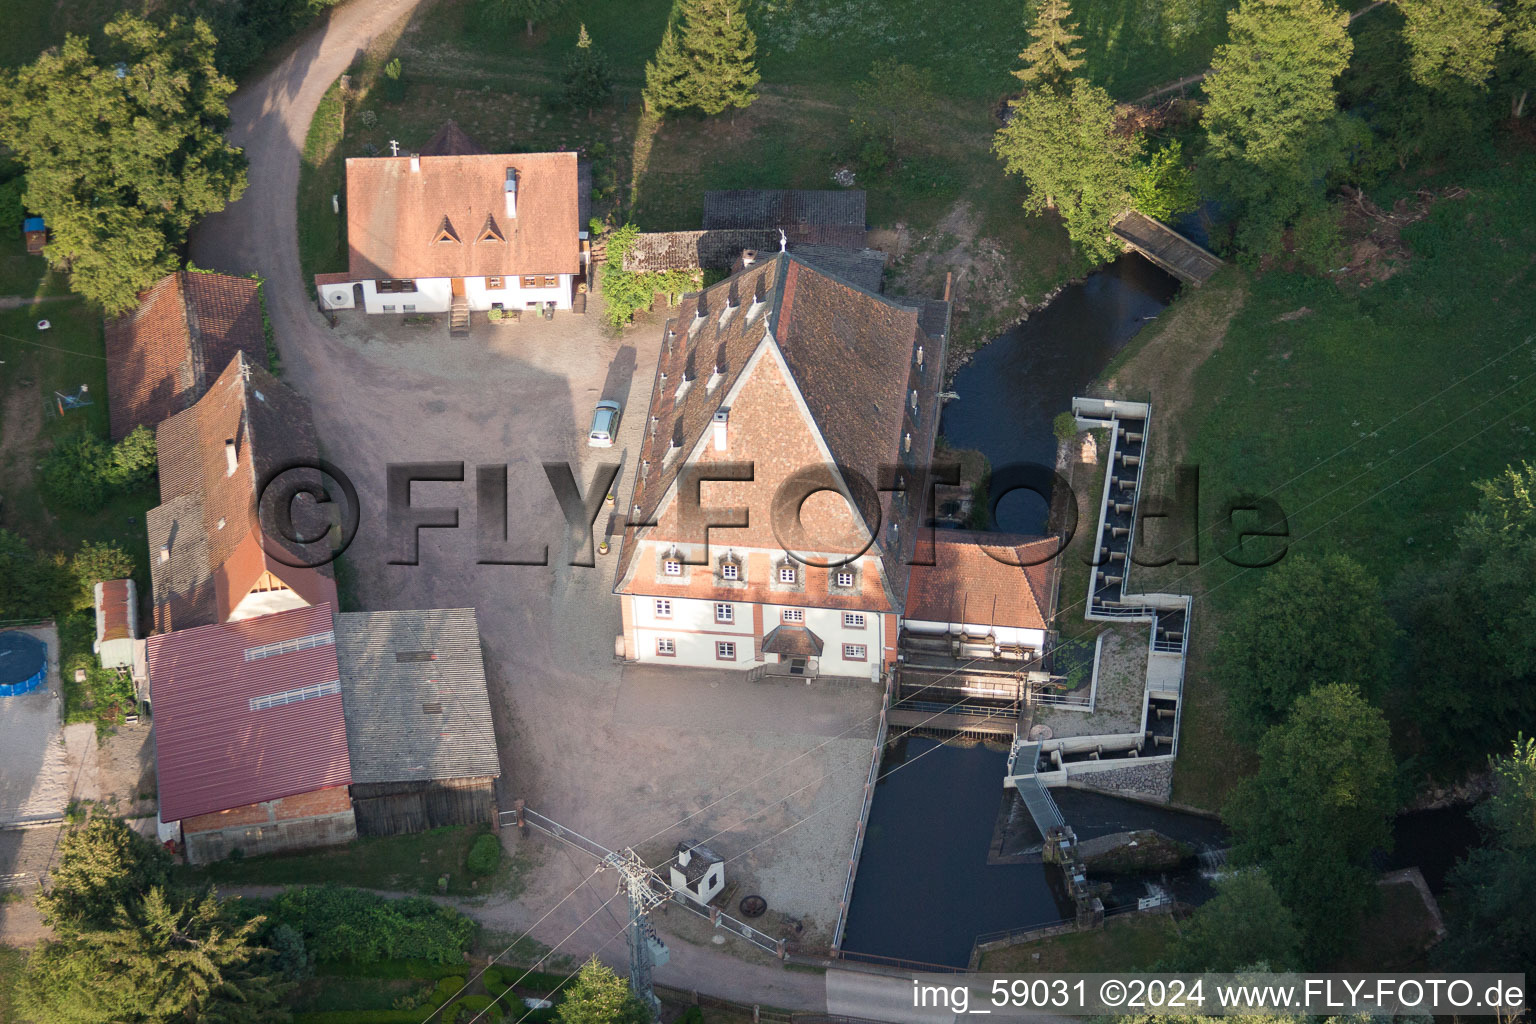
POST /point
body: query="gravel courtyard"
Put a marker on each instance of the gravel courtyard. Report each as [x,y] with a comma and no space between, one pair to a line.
[628,757]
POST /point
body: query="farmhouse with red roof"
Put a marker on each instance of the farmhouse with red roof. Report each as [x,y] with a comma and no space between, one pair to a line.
[459,229]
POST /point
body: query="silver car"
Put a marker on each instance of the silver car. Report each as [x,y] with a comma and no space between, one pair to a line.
[605,424]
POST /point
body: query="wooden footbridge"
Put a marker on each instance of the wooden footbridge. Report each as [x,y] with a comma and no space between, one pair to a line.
[1166,247]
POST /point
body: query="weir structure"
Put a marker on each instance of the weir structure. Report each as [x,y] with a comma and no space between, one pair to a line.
[1038,761]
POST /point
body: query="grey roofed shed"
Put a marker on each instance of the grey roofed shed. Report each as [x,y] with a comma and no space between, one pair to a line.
[413,691]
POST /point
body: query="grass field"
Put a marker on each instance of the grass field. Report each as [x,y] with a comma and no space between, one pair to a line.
[410,863]
[1129,943]
[1367,413]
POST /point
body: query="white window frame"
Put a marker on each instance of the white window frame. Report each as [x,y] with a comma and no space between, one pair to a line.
[725,613]
[840,574]
[666,647]
[730,570]
[788,574]
[793,615]
[725,650]
[671,566]
[848,650]
[854,620]
[663,608]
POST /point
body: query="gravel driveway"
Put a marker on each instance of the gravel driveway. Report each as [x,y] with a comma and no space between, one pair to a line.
[622,757]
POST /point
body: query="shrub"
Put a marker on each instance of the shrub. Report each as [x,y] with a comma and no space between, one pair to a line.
[353,925]
[624,292]
[484,855]
[95,563]
[83,472]
[1065,426]
[470,1007]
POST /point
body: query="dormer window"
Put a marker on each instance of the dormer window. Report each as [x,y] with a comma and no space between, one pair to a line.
[671,566]
[912,401]
[490,232]
[446,233]
[906,442]
[845,578]
[919,357]
[731,569]
[787,574]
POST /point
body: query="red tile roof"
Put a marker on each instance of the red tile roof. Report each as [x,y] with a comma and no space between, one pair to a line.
[397,216]
[213,751]
[992,579]
[851,359]
[207,520]
[162,356]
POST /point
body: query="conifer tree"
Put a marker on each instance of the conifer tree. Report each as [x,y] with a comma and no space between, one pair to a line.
[1052,54]
[668,80]
[722,54]
[587,78]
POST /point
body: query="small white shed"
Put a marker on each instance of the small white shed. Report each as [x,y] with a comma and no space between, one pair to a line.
[697,872]
[117,623]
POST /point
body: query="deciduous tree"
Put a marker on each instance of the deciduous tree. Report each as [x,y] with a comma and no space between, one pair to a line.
[1491,924]
[1272,125]
[1471,623]
[1309,623]
[1052,54]
[1243,925]
[36,585]
[893,104]
[1074,161]
[124,151]
[1452,43]
[1319,805]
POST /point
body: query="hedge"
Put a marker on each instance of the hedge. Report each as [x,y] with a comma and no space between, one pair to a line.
[465,1010]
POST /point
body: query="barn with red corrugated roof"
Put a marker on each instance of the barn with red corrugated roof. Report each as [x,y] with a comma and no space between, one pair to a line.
[250,735]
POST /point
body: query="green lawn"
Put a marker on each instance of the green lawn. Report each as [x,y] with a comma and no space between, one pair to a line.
[410,863]
[1129,943]
[1366,413]
[12,962]
[36,365]
[322,241]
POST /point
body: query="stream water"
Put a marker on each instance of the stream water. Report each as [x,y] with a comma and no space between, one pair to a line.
[1016,384]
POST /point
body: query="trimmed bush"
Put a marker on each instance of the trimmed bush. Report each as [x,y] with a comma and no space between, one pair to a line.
[465,1010]
[485,855]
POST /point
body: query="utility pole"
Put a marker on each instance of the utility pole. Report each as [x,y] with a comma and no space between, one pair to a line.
[646,892]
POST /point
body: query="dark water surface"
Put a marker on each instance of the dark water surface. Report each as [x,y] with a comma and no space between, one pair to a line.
[1012,388]
[925,890]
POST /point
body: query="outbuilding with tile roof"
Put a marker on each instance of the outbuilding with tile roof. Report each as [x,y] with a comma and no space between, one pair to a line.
[214,555]
[423,746]
[163,355]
